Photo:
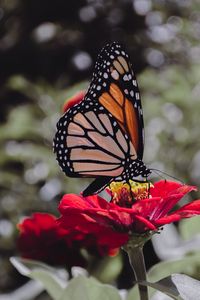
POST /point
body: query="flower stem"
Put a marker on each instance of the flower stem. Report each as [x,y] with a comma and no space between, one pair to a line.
[136,258]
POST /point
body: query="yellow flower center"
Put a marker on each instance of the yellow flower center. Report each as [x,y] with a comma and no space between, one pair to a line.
[125,194]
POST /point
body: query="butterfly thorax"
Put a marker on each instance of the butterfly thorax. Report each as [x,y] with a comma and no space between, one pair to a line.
[135,168]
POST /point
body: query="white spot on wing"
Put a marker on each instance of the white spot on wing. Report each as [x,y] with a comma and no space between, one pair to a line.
[105,75]
[131,93]
[134,82]
[115,75]
[125,77]
[137,96]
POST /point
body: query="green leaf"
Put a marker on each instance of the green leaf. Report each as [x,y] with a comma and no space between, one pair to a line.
[107,269]
[133,294]
[189,227]
[189,265]
[89,289]
[54,280]
[177,286]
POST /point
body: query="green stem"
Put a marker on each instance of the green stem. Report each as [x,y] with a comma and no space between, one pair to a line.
[136,258]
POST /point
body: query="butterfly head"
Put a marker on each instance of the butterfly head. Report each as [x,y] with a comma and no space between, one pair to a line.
[146,172]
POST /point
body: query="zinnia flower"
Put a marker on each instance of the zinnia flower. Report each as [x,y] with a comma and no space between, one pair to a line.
[139,211]
[42,239]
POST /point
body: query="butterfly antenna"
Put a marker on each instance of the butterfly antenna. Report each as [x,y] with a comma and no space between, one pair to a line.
[159,172]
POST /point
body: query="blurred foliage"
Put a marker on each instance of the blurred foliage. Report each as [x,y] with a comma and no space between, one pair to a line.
[46,49]
[171,108]
[190,229]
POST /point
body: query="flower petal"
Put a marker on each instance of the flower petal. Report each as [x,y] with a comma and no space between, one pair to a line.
[77,201]
[42,239]
[170,193]
[78,97]
[143,224]
[190,209]
[103,234]
[187,211]
[164,188]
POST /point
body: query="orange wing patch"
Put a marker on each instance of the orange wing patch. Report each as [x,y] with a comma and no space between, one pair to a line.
[122,109]
[117,94]
[132,123]
[112,106]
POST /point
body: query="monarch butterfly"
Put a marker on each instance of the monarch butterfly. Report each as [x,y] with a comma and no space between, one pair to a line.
[102,136]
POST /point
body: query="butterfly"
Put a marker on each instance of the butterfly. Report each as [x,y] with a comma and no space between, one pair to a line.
[102,136]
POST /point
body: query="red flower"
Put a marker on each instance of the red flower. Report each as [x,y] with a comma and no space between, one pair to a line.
[42,239]
[112,224]
[78,97]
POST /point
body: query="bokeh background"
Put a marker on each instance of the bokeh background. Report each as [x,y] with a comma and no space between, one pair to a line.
[47,53]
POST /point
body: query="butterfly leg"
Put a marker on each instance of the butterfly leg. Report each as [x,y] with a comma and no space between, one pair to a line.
[149,185]
[131,194]
[140,181]
[96,186]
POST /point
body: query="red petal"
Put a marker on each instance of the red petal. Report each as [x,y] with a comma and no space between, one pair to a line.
[105,236]
[147,207]
[44,220]
[78,97]
[168,219]
[40,238]
[78,222]
[165,205]
[190,209]
[37,222]
[155,208]
[164,188]
[170,193]
[143,225]
[187,211]
[94,209]
[78,202]
[112,238]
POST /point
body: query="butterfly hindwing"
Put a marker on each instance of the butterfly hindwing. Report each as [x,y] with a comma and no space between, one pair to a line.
[90,143]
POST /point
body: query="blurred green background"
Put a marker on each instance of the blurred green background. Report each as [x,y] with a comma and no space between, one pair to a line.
[47,53]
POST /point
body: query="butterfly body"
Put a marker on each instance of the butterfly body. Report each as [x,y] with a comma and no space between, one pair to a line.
[102,136]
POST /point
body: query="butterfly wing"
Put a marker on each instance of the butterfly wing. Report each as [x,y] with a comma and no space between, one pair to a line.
[90,143]
[95,137]
[114,85]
